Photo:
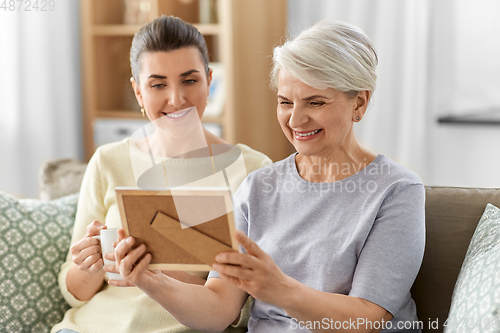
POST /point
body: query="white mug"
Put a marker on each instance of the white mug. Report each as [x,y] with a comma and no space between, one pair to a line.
[107,238]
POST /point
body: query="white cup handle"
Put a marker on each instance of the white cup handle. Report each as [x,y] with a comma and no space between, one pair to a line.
[114,276]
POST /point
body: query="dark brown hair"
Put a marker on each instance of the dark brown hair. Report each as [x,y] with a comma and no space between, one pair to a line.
[165,33]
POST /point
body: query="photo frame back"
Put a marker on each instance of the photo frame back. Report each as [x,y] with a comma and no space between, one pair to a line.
[163,220]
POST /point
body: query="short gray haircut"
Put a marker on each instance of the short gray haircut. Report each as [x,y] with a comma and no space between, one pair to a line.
[329,54]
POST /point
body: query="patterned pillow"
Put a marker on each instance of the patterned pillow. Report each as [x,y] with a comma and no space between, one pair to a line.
[475,305]
[34,241]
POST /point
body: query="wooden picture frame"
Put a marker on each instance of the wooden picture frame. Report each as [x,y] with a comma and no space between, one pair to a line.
[152,217]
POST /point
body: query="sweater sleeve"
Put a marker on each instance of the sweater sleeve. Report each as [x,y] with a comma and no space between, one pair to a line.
[90,208]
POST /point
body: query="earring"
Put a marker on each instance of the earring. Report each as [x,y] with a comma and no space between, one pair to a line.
[143,112]
[357,118]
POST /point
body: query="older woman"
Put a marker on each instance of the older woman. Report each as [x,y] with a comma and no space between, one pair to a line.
[334,234]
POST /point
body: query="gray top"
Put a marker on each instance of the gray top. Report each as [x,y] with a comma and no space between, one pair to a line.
[362,236]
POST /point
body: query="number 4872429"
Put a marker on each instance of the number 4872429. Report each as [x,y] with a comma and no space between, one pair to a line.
[28,5]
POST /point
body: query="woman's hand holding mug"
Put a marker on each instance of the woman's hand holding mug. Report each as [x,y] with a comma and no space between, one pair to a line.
[86,253]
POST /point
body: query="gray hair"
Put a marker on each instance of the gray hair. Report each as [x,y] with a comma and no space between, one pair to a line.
[329,54]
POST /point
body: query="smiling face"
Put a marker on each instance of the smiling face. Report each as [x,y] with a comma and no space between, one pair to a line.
[171,84]
[317,122]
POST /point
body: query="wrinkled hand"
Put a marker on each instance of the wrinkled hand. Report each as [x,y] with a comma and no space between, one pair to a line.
[254,272]
[131,266]
[86,253]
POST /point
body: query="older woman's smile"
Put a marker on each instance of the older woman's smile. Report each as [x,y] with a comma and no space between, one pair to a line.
[306,135]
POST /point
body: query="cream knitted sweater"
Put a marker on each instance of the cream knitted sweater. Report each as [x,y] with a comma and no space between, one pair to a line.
[116,309]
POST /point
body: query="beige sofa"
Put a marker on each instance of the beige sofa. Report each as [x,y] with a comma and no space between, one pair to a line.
[452,215]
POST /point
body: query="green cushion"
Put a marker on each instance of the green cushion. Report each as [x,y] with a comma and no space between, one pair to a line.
[34,240]
[475,304]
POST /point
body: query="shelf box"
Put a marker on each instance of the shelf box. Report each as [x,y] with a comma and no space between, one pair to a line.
[112,130]
[107,130]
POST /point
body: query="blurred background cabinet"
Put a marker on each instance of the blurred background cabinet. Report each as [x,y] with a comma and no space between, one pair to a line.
[240,36]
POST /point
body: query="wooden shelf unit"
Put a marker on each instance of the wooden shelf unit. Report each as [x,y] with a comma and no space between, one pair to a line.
[241,39]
